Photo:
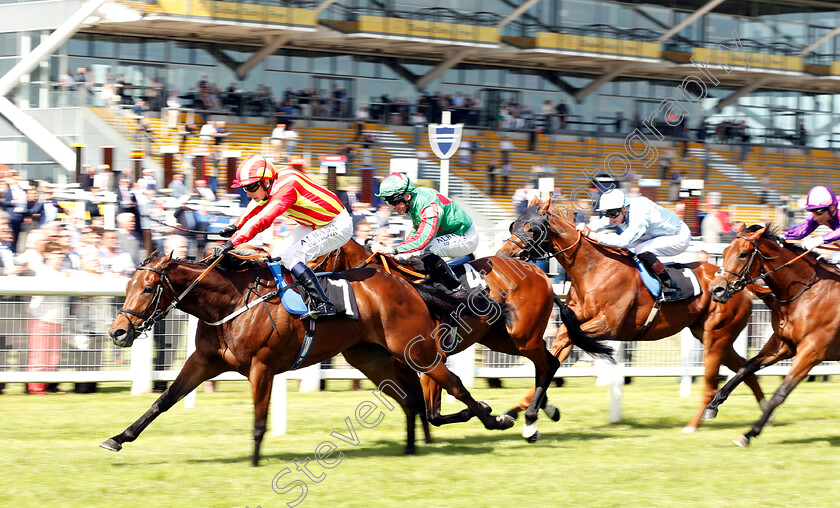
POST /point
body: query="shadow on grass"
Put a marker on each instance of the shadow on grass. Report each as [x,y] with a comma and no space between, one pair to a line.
[677,427]
[833,440]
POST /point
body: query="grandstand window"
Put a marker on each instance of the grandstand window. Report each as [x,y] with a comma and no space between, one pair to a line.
[6,65]
[205,54]
[344,65]
[181,52]
[296,63]
[493,77]
[8,44]
[579,12]
[77,46]
[131,48]
[719,28]
[366,66]
[101,46]
[155,50]
[322,64]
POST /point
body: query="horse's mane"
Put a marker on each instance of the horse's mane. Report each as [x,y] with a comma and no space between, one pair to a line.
[246,258]
[772,233]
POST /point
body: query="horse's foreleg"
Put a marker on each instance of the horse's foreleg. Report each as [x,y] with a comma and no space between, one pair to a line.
[452,383]
[432,395]
[773,351]
[261,380]
[560,349]
[197,369]
[734,362]
[545,370]
[802,364]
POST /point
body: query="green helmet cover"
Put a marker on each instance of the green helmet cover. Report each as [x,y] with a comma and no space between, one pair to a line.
[395,183]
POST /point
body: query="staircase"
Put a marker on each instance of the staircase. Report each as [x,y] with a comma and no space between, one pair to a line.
[478,201]
[737,174]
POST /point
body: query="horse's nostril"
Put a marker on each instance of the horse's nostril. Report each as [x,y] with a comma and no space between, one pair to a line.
[119,332]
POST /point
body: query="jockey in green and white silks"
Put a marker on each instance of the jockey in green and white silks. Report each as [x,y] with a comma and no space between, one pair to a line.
[441,227]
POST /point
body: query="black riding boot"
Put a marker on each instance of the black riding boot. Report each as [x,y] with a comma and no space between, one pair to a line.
[669,287]
[441,271]
[317,302]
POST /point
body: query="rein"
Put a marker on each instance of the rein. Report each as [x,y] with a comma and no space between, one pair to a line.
[744,280]
[384,260]
[157,314]
[193,231]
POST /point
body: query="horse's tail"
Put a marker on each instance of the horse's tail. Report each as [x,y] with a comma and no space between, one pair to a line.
[444,305]
[592,345]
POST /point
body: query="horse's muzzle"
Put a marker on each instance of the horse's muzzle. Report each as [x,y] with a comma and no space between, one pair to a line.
[720,290]
[122,337]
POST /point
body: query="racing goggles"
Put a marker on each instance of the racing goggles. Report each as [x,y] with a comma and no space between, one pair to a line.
[252,187]
[612,214]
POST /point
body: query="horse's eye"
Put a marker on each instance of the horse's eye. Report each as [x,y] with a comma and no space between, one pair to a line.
[148,289]
[742,255]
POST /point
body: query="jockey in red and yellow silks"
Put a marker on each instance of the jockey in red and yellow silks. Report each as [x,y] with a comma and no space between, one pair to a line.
[323,224]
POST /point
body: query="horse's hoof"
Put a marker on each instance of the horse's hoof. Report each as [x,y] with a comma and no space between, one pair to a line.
[742,441]
[486,406]
[553,412]
[689,429]
[530,433]
[410,451]
[709,414]
[504,422]
[110,444]
[513,413]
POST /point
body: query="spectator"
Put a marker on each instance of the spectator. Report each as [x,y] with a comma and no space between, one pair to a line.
[87,177]
[362,117]
[112,259]
[177,187]
[7,254]
[188,220]
[47,314]
[126,235]
[174,103]
[803,135]
[362,231]
[290,140]
[562,111]
[505,147]
[148,180]
[203,191]
[465,153]
[491,179]
[278,139]
[206,135]
[520,198]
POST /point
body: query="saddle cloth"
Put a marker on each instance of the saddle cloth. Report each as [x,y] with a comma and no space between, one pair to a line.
[685,279]
[338,290]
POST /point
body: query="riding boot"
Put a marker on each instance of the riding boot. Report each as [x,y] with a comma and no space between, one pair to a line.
[438,268]
[317,302]
[669,287]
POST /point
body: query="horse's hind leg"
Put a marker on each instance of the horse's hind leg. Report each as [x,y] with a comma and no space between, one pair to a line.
[261,381]
[802,364]
[197,369]
[773,351]
[561,350]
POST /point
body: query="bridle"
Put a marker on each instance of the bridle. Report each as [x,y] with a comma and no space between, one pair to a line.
[521,239]
[743,280]
[152,313]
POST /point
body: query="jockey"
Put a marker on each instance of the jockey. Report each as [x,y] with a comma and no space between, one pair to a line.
[646,228]
[323,224]
[822,203]
[441,227]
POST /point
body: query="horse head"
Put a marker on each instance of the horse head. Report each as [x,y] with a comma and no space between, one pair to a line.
[744,261]
[147,298]
[533,233]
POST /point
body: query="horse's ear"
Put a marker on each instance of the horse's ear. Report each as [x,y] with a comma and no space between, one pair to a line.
[534,201]
[741,228]
[546,205]
[169,257]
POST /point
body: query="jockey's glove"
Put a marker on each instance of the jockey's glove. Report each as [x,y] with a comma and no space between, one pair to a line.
[812,242]
[228,231]
[221,249]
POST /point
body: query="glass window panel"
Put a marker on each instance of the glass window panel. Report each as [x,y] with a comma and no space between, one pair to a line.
[102,46]
[205,54]
[322,64]
[155,50]
[344,65]
[130,48]
[78,45]
[181,52]
[366,66]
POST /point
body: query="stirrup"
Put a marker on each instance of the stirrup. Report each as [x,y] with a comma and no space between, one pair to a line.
[321,310]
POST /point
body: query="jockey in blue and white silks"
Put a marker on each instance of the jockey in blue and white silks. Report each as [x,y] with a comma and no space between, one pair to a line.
[646,228]
[822,203]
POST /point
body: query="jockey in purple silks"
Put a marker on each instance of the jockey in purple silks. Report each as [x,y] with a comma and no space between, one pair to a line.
[822,203]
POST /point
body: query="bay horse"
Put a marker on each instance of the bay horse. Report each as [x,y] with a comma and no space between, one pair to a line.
[799,286]
[529,297]
[609,300]
[266,340]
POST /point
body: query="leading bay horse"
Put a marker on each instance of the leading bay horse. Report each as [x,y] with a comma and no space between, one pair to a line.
[610,301]
[266,340]
[805,323]
[529,297]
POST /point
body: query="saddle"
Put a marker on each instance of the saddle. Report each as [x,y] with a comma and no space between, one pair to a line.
[336,286]
[682,275]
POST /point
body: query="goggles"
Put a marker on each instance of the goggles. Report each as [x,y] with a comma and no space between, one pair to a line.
[252,187]
[612,214]
[819,211]
[394,200]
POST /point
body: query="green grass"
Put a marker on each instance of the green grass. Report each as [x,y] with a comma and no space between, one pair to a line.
[200,457]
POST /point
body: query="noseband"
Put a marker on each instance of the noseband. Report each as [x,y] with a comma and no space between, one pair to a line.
[152,313]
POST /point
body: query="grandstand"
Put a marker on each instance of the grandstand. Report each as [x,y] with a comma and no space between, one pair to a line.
[776,73]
